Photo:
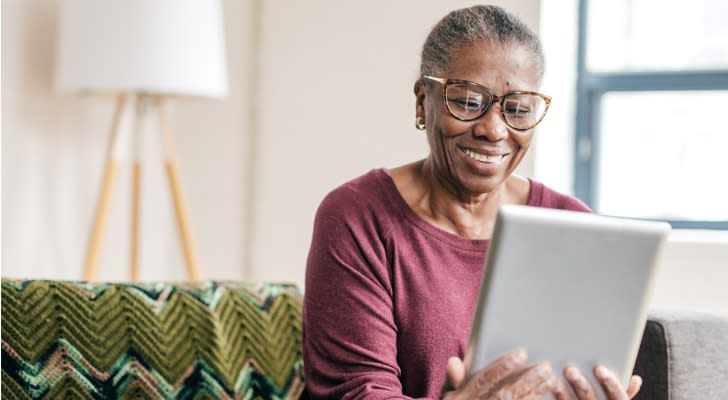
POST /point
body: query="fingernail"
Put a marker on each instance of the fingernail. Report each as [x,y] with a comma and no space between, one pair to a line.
[601,372]
[577,378]
[519,355]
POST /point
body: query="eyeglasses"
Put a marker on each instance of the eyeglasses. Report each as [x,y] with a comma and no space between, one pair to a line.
[467,101]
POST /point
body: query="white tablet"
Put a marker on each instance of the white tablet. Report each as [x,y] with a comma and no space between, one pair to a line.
[569,287]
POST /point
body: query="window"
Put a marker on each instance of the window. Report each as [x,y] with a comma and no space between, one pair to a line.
[652,110]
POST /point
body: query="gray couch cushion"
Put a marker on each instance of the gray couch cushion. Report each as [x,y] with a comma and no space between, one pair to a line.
[683,355]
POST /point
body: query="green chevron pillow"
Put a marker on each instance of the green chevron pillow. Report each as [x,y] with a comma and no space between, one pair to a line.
[213,340]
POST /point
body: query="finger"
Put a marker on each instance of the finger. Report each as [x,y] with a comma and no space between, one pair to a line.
[609,382]
[455,374]
[549,386]
[533,382]
[635,383]
[582,388]
[493,375]
[561,391]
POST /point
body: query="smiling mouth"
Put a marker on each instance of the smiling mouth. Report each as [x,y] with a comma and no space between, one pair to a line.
[486,159]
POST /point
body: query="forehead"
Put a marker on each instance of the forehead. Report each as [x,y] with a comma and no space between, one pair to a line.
[501,68]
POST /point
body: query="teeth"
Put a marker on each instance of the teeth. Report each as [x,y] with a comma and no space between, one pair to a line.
[482,157]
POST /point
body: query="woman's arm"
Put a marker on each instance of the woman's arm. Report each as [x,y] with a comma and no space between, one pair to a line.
[349,331]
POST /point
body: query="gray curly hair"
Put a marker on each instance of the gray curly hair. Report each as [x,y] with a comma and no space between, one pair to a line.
[468,26]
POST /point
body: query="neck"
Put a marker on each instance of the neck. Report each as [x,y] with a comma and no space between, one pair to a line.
[470,215]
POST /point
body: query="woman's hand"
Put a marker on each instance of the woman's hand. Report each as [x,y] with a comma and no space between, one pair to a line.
[507,378]
[584,390]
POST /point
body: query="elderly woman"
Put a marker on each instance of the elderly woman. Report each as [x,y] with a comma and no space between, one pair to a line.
[397,254]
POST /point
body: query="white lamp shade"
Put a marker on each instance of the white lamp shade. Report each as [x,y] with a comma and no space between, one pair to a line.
[155,46]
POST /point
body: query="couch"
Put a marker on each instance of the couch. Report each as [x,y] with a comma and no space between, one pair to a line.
[235,340]
[683,356]
[212,340]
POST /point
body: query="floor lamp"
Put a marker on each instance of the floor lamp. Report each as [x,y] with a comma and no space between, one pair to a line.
[144,51]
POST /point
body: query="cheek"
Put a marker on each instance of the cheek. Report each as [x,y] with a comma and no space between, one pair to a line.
[448,126]
[440,120]
[440,138]
[522,139]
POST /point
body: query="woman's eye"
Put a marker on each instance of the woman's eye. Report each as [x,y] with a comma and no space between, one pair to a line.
[517,111]
[515,108]
[468,104]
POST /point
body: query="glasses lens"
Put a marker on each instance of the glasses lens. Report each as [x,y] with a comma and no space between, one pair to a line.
[523,111]
[467,101]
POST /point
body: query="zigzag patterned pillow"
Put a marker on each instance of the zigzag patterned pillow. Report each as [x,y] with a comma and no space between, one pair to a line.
[150,341]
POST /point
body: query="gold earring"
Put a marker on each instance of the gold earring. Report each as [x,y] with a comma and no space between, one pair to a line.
[420,123]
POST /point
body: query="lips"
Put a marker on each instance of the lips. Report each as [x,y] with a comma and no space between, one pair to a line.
[484,158]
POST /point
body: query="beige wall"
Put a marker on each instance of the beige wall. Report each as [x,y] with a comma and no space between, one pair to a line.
[694,272]
[336,100]
[320,92]
[53,149]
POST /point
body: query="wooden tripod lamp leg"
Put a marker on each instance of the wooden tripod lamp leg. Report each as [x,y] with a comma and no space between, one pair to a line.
[102,207]
[175,184]
[135,211]
[136,188]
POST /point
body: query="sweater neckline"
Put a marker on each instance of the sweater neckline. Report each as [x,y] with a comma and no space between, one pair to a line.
[534,198]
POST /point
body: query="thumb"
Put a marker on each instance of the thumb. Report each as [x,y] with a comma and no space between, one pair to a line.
[455,373]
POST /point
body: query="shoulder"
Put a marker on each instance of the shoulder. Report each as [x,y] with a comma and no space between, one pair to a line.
[361,185]
[350,231]
[363,199]
[546,197]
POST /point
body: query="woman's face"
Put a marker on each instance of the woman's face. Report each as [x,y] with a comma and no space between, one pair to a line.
[476,157]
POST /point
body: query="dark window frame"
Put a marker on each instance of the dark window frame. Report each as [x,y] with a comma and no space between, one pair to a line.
[592,86]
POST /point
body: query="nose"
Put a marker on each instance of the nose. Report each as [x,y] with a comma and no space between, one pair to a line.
[491,125]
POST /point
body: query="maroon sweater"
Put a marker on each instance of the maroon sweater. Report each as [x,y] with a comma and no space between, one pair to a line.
[389,297]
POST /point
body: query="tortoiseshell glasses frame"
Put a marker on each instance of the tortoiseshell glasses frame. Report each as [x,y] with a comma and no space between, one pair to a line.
[516,115]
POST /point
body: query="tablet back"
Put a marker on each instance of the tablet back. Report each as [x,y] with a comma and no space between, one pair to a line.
[569,287]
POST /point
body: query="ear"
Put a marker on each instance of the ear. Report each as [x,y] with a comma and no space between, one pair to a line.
[420,93]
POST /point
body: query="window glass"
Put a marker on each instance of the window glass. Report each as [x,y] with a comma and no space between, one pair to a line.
[651,35]
[664,155]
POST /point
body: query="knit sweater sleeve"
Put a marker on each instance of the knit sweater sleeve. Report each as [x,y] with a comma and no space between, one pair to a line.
[544,196]
[350,349]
